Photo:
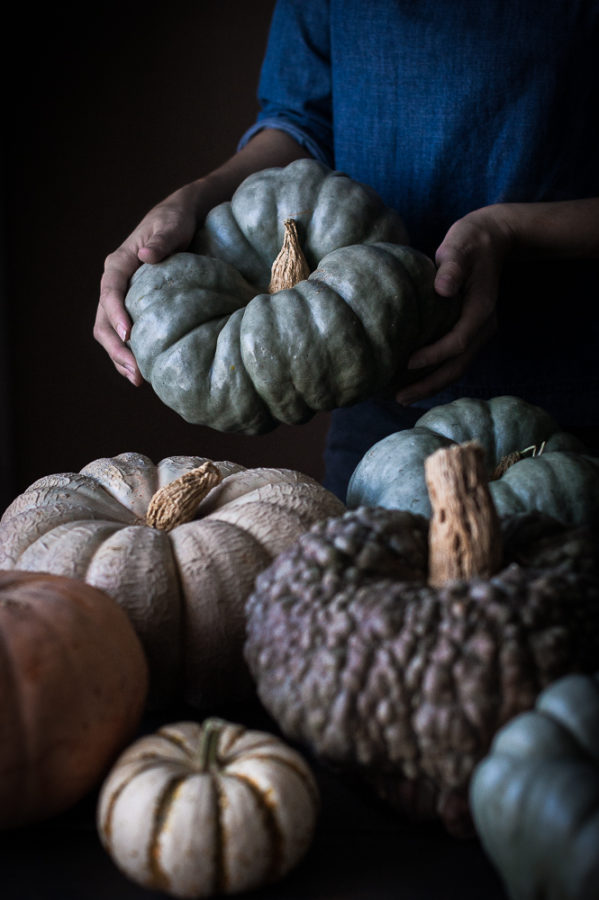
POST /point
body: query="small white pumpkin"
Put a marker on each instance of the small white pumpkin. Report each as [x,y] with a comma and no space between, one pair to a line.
[202,809]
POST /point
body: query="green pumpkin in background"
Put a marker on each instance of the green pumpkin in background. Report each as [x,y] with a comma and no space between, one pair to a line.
[226,342]
[533,465]
[535,797]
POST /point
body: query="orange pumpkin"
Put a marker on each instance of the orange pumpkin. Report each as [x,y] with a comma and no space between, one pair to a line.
[73,683]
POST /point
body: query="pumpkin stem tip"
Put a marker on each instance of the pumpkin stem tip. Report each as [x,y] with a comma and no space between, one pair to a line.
[177,502]
[290,266]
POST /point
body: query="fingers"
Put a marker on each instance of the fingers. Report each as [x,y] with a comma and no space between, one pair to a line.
[121,356]
[469,263]
[449,371]
[478,309]
[158,247]
[112,326]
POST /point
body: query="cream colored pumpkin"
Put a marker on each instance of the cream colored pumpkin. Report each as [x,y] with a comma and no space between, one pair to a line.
[202,809]
[183,583]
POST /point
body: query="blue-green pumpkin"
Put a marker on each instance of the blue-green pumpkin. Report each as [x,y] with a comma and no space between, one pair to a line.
[535,796]
[532,463]
[224,348]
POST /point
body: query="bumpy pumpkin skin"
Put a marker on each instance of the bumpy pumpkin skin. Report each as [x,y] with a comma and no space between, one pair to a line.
[198,810]
[535,796]
[221,351]
[356,656]
[73,683]
[184,590]
[563,481]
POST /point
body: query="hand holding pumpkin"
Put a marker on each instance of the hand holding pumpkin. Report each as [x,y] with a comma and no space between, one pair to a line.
[469,260]
[167,227]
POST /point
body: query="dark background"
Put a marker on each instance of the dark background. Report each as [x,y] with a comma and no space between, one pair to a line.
[108,108]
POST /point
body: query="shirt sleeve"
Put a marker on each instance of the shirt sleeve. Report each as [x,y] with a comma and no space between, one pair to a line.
[294,90]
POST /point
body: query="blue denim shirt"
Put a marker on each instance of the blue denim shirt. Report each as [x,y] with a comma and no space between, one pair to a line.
[445,106]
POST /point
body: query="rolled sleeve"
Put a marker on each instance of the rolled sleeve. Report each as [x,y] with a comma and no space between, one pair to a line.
[294,90]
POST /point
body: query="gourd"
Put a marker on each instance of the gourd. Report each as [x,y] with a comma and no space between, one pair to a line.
[203,809]
[532,463]
[397,647]
[180,566]
[73,682]
[300,295]
[535,796]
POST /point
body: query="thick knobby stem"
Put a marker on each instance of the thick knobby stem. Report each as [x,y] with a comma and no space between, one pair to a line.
[290,266]
[464,531]
[178,501]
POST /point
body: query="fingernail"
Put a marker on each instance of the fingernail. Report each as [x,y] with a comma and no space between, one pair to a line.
[122,332]
[404,399]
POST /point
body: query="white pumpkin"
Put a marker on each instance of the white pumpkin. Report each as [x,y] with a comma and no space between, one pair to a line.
[201,809]
[182,583]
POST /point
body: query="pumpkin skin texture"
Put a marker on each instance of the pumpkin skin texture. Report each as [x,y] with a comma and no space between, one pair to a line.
[356,656]
[73,683]
[535,796]
[222,351]
[202,809]
[183,589]
[563,481]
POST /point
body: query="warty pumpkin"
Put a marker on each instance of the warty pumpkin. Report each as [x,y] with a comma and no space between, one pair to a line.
[227,342]
[535,796]
[397,647]
[211,808]
[73,682]
[177,544]
[532,463]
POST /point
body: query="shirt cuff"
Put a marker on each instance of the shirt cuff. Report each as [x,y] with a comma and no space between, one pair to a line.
[298,134]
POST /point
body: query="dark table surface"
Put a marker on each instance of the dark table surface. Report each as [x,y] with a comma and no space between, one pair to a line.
[362,850]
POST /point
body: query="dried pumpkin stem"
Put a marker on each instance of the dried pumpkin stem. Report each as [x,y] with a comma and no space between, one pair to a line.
[511,458]
[178,501]
[464,531]
[291,265]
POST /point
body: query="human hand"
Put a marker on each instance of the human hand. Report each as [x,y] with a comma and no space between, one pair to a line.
[469,261]
[167,228]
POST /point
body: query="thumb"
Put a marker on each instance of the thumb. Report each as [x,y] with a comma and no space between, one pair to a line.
[450,274]
[158,247]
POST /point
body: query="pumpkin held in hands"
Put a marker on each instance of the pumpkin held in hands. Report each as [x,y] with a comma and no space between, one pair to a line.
[204,809]
[301,296]
[398,647]
[73,682]
[531,462]
[177,544]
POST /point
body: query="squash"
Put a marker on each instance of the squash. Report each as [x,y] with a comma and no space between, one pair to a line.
[179,565]
[532,463]
[239,336]
[203,809]
[73,682]
[396,646]
[535,796]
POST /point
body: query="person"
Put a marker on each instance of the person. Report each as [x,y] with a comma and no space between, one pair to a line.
[479,123]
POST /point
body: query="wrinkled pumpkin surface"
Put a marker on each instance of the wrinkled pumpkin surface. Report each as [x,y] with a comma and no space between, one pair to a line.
[183,583]
[357,655]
